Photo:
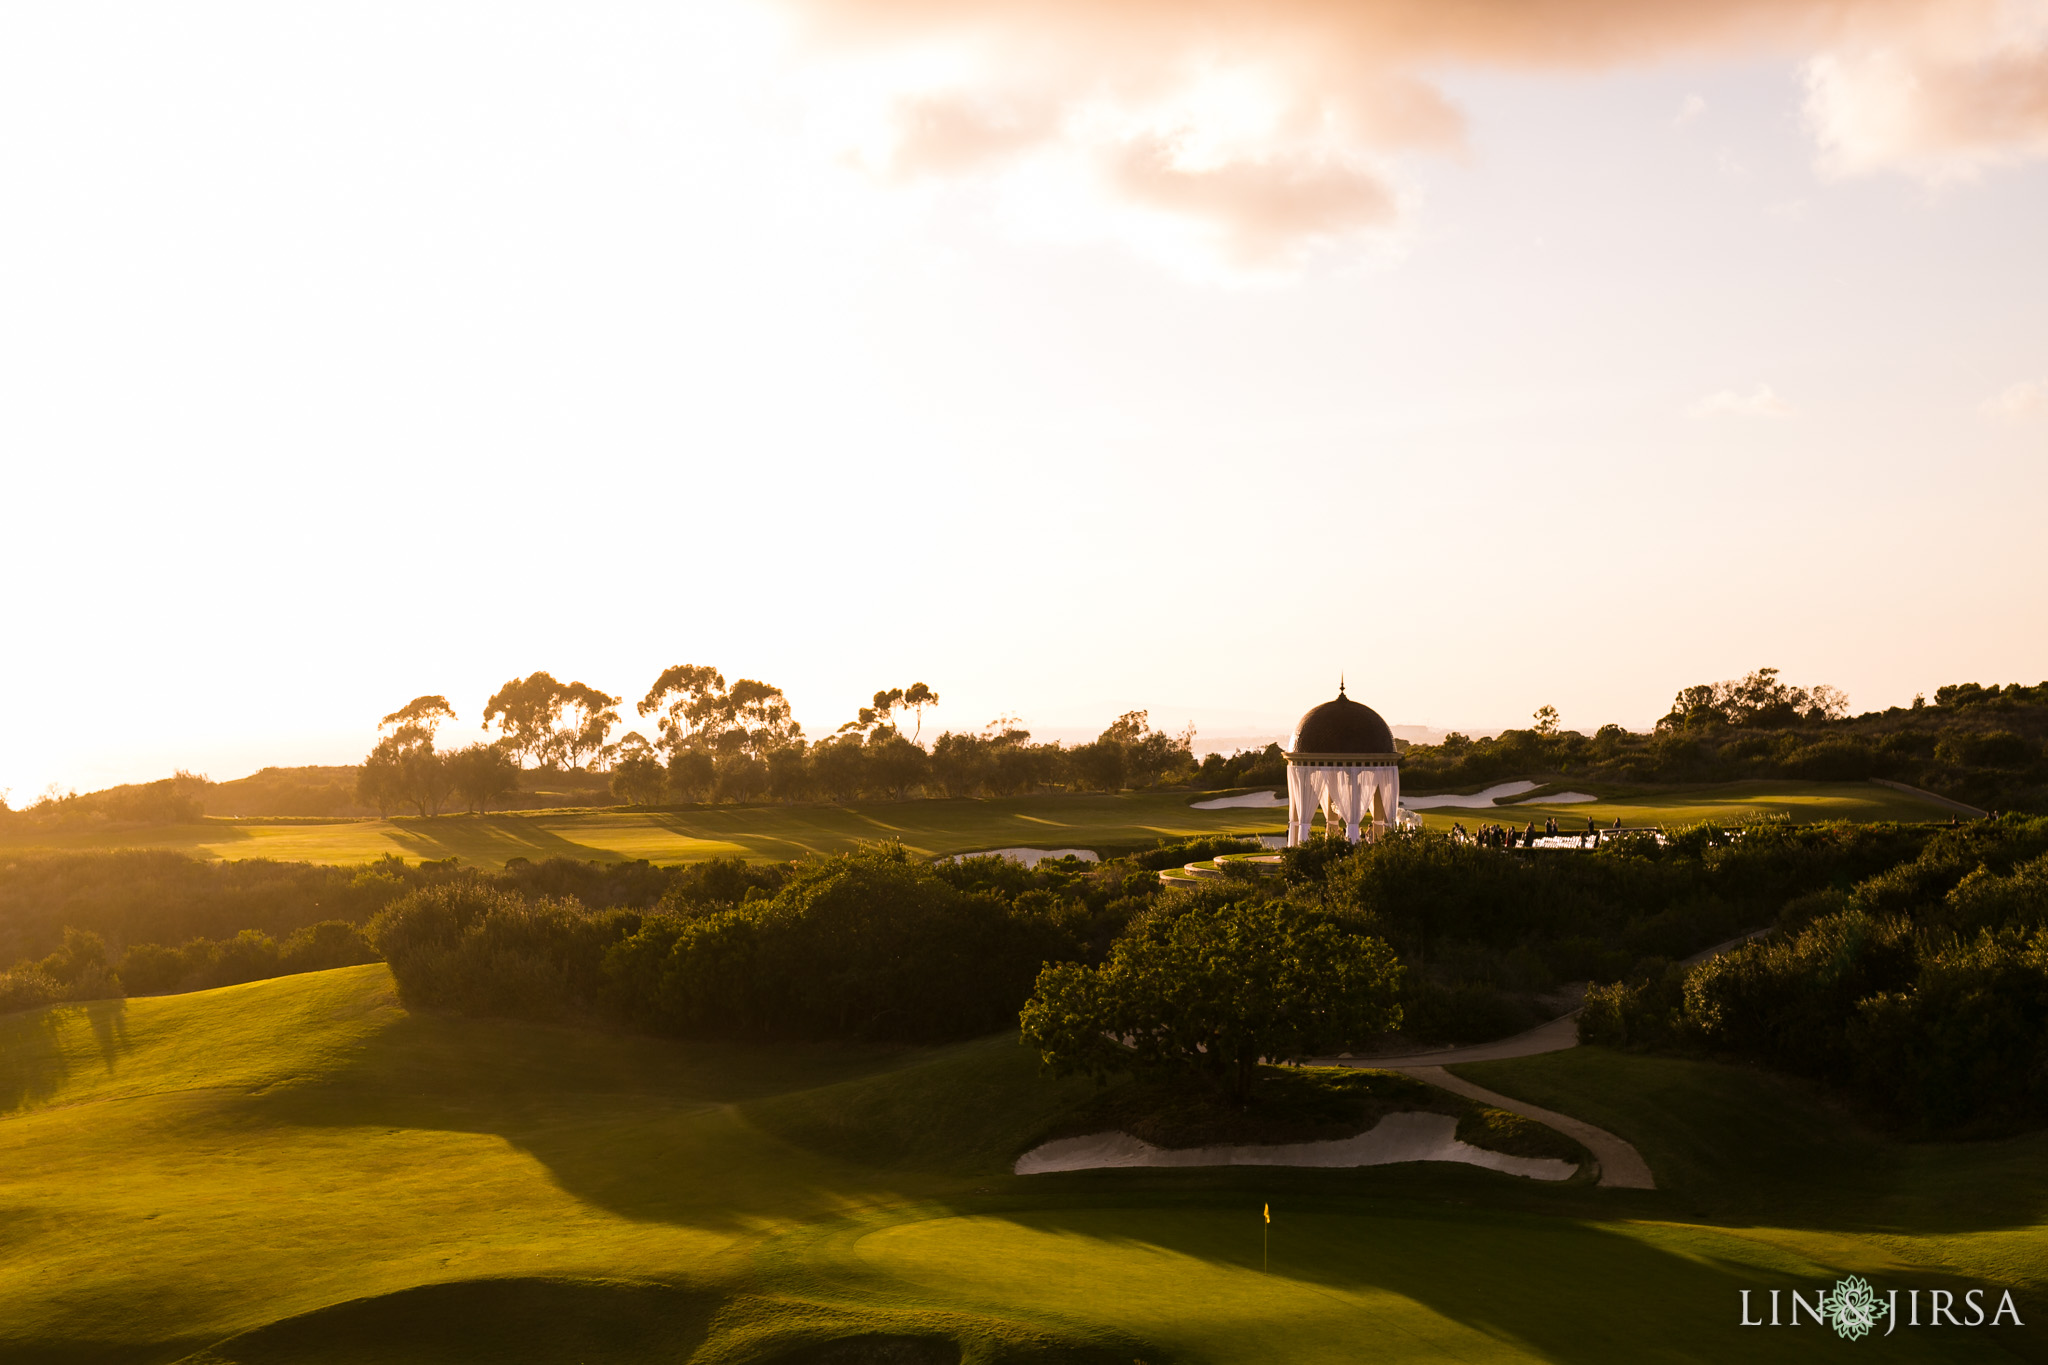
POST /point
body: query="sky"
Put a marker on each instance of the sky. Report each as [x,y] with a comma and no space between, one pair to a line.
[1071,356]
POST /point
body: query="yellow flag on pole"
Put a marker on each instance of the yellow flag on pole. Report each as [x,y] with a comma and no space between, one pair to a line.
[1269,1213]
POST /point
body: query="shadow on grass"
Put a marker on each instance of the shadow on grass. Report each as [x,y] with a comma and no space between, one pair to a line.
[646,1129]
[527,1320]
[489,838]
[1740,1144]
[33,1063]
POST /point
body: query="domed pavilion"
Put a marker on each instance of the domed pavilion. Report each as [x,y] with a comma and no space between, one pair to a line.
[1341,761]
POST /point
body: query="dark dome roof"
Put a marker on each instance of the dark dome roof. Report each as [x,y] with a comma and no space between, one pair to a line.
[1342,726]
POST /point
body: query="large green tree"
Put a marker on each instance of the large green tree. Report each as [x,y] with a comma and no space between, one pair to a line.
[1209,987]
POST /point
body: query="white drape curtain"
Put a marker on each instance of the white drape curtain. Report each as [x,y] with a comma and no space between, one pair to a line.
[1360,797]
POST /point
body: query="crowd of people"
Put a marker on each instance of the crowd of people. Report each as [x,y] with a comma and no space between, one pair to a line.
[1506,836]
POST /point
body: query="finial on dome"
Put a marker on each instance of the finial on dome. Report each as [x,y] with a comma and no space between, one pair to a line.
[1340,684]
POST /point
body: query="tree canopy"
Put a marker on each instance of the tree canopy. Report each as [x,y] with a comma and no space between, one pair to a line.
[697,710]
[1214,986]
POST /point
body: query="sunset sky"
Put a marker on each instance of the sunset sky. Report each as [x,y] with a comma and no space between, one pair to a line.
[1071,356]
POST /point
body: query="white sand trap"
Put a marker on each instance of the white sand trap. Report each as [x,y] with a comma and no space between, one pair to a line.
[1244,801]
[1472,802]
[1031,857]
[1395,1138]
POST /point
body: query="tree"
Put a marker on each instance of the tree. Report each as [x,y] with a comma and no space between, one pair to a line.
[526,710]
[839,767]
[916,697]
[1546,719]
[1099,765]
[481,774]
[1210,987]
[1760,700]
[589,716]
[637,775]
[403,767]
[419,717]
[691,773]
[529,712]
[895,764]
[697,710]
[789,772]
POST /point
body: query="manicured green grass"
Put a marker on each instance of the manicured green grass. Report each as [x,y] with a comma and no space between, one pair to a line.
[936,828]
[1727,802]
[302,1170]
[762,833]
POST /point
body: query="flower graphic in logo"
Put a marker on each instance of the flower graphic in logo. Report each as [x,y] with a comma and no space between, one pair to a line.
[1853,1308]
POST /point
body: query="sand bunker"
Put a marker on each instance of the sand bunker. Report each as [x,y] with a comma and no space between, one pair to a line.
[1395,1138]
[1244,801]
[1031,857]
[1472,802]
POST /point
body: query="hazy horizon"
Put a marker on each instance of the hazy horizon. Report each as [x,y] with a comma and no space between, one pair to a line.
[1071,358]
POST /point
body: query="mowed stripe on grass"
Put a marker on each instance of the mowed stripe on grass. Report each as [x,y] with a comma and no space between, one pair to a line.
[759,832]
[935,828]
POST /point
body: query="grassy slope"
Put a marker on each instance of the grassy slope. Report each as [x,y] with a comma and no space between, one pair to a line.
[190,1170]
[932,827]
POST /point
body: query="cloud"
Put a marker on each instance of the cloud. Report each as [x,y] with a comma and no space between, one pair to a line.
[1728,403]
[1941,115]
[1275,125]
[1265,206]
[2017,402]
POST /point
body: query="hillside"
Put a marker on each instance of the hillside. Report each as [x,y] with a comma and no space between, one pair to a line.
[1985,746]
[302,1170]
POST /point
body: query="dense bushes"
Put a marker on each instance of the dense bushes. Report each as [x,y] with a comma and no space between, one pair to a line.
[467,945]
[252,955]
[1923,990]
[874,944]
[77,970]
[135,896]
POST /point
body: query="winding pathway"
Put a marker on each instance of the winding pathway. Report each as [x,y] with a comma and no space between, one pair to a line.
[1621,1166]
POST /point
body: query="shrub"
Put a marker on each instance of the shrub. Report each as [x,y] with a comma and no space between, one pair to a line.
[873,944]
[26,987]
[468,946]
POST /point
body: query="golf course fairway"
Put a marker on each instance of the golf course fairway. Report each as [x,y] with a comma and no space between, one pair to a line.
[934,828]
[301,1169]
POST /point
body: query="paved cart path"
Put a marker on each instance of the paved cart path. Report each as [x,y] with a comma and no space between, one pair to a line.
[1621,1166]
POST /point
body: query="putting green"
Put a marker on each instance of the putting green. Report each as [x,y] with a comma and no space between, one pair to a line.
[1725,802]
[302,1170]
